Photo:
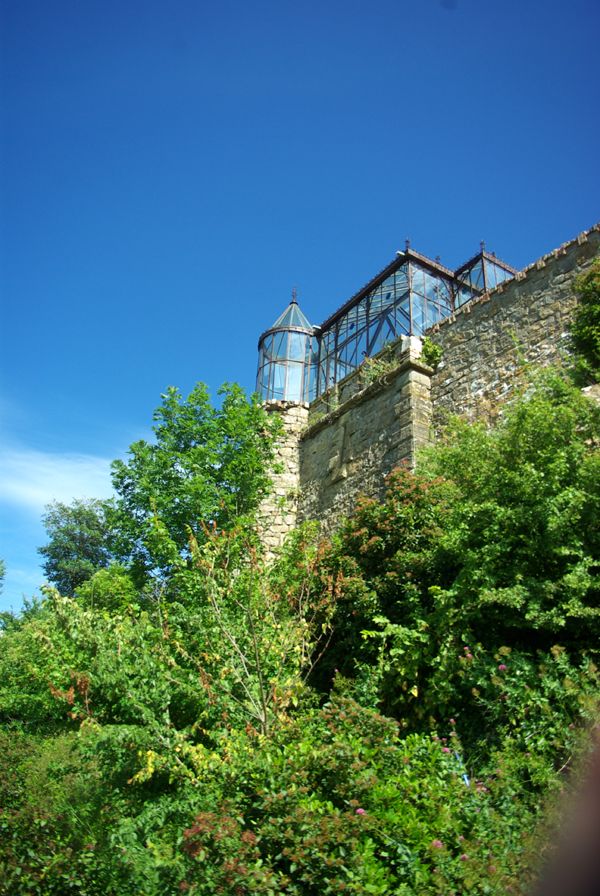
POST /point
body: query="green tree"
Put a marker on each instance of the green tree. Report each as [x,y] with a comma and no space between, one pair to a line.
[208,466]
[78,543]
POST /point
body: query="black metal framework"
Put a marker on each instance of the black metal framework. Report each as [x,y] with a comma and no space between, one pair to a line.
[405,299]
[480,274]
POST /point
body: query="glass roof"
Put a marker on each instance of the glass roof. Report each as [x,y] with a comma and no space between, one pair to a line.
[292,317]
[298,362]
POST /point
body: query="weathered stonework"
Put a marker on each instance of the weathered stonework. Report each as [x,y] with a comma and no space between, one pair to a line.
[522,322]
[278,513]
[353,436]
[376,426]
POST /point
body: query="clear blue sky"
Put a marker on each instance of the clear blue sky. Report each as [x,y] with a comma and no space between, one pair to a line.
[170,170]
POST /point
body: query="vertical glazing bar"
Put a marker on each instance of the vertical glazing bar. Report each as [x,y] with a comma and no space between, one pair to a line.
[410,299]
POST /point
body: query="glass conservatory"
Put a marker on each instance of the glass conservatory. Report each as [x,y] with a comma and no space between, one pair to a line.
[285,357]
[298,362]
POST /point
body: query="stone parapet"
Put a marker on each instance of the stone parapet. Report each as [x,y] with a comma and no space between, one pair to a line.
[349,451]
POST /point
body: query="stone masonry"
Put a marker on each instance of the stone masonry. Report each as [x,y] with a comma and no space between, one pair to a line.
[350,450]
[524,321]
[278,514]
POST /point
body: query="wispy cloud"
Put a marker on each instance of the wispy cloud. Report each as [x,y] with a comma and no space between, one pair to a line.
[31,479]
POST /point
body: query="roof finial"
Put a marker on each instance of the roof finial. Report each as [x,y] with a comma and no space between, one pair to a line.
[406,244]
[294,296]
[482,245]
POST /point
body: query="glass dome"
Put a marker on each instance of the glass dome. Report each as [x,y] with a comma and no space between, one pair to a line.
[285,355]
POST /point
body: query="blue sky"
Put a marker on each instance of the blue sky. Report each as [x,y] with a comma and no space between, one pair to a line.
[169,171]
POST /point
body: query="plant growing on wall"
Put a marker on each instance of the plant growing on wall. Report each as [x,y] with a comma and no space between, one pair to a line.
[431,353]
[375,368]
[585,329]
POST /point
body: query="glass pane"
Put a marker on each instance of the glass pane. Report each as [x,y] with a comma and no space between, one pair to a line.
[264,380]
[291,317]
[401,279]
[280,345]
[267,346]
[463,295]
[278,382]
[297,346]
[502,274]
[417,280]
[403,317]
[477,276]
[418,315]
[490,276]
[294,383]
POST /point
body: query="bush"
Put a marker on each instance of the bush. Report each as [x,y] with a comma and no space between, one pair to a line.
[585,329]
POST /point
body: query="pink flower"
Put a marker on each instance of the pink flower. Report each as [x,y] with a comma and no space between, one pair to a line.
[502,667]
[452,721]
[437,844]
[464,857]
[360,811]
[446,750]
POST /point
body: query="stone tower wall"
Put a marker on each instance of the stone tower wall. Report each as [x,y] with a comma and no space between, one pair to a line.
[278,513]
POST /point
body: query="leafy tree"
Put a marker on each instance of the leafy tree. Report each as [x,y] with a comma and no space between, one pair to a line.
[585,329]
[208,467]
[2,573]
[111,589]
[78,542]
[270,635]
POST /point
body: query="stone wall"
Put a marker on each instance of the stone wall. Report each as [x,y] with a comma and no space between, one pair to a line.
[381,414]
[523,321]
[377,425]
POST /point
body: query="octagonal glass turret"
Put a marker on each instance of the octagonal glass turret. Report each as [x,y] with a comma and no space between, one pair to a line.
[286,358]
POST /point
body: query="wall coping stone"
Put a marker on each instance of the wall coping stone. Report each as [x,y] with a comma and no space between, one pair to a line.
[537,265]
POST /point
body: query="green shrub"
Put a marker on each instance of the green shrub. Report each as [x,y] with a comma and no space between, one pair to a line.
[431,353]
[585,329]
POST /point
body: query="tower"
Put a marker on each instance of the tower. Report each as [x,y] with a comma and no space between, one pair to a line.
[285,358]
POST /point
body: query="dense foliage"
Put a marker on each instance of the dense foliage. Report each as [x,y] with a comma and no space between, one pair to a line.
[391,712]
[585,329]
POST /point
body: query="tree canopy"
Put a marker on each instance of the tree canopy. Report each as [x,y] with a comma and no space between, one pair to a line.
[208,466]
[78,543]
